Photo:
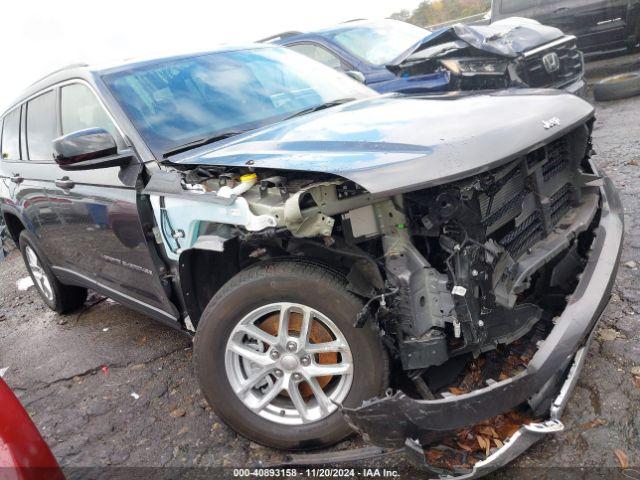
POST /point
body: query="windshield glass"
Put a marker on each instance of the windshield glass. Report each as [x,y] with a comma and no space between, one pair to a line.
[381,42]
[173,102]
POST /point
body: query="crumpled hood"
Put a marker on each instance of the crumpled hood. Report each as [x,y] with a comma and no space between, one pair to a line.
[390,144]
[509,38]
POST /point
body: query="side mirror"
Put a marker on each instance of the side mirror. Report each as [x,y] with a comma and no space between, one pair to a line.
[356,75]
[88,149]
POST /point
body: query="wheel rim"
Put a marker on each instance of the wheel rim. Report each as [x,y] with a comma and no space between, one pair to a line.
[284,374]
[40,277]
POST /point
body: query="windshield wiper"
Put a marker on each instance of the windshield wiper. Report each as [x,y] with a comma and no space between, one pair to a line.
[202,141]
[322,106]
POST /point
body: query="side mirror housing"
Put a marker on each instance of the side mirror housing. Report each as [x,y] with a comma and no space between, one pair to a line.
[88,149]
[356,75]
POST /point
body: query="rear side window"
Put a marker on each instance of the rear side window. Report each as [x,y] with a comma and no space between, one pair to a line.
[11,135]
[80,109]
[41,126]
[319,54]
[514,6]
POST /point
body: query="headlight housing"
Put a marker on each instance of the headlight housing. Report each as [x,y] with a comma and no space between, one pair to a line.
[483,66]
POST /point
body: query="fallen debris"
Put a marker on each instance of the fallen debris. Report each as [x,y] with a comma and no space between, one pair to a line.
[24,284]
[631,264]
[472,445]
[3,371]
[598,422]
[135,395]
[177,413]
[623,459]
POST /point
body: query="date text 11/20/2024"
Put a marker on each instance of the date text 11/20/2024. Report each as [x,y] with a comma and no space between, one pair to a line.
[316,472]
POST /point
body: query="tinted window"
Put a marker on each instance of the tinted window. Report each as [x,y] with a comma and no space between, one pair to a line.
[11,135]
[80,109]
[176,101]
[513,6]
[319,54]
[41,126]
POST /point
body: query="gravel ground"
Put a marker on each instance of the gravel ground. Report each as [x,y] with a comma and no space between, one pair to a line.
[110,387]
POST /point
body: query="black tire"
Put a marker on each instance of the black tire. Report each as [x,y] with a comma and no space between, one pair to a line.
[617,86]
[301,283]
[65,298]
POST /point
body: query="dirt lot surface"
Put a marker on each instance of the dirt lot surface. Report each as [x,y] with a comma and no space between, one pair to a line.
[110,387]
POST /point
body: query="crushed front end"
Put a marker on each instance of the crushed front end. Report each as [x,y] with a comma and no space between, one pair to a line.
[483,264]
[527,252]
[511,53]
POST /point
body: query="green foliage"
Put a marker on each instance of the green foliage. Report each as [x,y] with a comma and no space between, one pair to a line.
[431,12]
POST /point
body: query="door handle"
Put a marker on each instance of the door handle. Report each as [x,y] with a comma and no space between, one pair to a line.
[17,179]
[560,10]
[65,183]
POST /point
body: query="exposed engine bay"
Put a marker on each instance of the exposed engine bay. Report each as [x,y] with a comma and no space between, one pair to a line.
[445,271]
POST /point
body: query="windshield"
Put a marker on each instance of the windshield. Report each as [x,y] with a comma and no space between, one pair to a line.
[381,42]
[173,102]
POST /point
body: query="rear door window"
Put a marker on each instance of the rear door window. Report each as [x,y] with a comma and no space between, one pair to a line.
[80,109]
[11,135]
[515,6]
[41,127]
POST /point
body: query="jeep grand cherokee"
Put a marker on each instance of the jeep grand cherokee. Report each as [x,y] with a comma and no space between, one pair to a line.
[337,253]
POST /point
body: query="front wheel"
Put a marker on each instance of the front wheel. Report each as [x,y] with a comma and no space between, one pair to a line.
[276,353]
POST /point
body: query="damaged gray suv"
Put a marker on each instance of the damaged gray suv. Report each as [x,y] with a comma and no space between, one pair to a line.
[342,257]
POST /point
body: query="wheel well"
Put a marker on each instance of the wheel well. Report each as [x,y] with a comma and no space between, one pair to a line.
[14,226]
[204,272]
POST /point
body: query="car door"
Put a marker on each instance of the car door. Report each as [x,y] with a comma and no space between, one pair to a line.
[575,17]
[593,21]
[26,182]
[104,237]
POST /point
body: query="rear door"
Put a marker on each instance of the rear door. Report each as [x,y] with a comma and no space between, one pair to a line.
[583,18]
[27,182]
[103,236]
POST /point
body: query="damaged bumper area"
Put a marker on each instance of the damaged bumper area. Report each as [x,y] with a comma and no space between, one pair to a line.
[462,256]
[514,52]
[398,420]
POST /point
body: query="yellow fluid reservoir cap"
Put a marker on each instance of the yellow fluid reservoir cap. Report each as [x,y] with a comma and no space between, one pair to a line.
[249,177]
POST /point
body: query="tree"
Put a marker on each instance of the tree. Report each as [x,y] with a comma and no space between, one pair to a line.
[431,12]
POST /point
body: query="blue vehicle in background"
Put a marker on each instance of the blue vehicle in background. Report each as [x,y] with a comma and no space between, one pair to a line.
[394,56]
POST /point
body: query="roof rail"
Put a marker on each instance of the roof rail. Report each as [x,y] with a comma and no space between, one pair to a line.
[279,36]
[354,20]
[66,67]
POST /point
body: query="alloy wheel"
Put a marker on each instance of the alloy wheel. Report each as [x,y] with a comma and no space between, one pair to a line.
[39,275]
[289,363]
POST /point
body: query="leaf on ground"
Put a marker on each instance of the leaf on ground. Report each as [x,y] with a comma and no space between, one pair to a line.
[623,460]
[598,422]
[432,455]
[457,391]
[484,443]
[498,443]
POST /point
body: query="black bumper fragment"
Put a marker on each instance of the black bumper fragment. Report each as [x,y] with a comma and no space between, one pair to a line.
[393,420]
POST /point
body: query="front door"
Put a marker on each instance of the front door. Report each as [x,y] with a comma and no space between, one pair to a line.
[101,230]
